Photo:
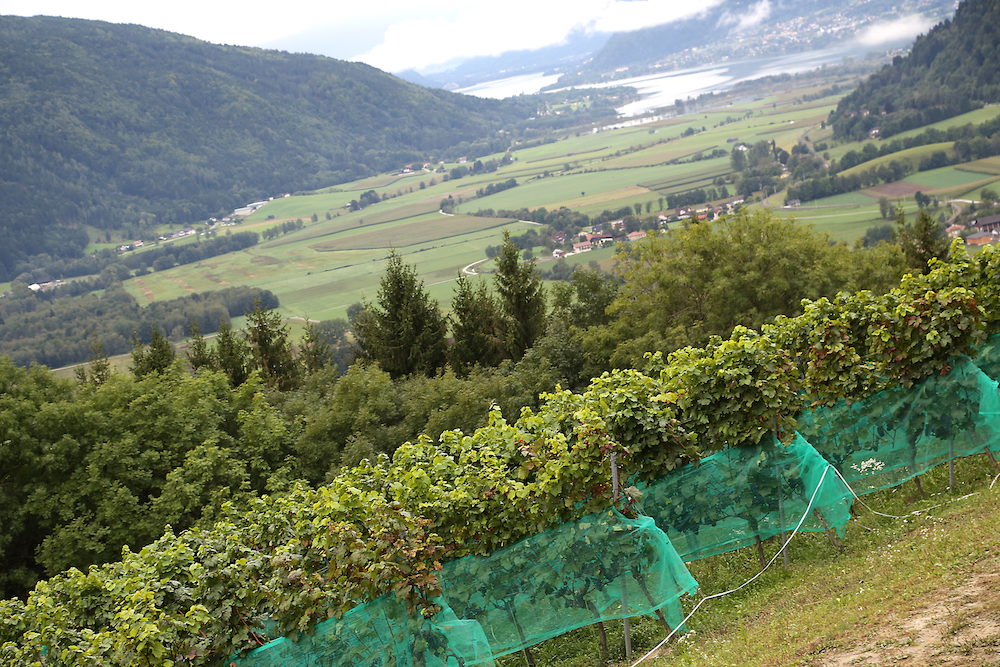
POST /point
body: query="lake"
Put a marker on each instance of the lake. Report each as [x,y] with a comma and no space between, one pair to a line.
[662,89]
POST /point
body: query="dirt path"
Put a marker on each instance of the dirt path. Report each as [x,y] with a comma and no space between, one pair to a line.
[955,628]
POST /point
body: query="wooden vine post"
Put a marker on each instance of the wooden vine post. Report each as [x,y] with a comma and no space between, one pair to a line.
[627,630]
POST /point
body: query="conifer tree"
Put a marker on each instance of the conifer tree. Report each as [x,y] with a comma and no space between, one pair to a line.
[403,330]
[270,347]
[921,241]
[476,328]
[231,355]
[198,354]
[156,359]
[522,300]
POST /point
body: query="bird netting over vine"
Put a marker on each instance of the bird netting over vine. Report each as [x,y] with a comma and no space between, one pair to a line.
[736,497]
[885,439]
[604,566]
[601,567]
[988,357]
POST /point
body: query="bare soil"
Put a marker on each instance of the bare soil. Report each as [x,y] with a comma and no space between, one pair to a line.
[959,627]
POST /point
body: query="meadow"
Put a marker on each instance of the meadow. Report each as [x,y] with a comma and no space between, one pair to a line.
[338,255]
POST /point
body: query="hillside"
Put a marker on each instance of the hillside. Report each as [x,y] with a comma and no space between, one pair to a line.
[951,70]
[119,125]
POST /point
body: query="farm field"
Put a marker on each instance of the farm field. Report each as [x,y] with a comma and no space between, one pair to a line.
[846,222]
[945,177]
[326,265]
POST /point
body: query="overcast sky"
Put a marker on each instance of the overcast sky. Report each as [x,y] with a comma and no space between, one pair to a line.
[390,34]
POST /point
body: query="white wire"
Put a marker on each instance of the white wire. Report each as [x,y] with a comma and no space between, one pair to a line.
[856,497]
[748,581]
[785,545]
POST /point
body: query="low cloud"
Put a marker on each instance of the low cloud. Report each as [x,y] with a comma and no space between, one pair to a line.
[899,30]
[753,17]
[481,29]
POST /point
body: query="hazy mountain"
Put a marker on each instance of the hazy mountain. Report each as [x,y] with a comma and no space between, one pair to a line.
[578,47]
[111,125]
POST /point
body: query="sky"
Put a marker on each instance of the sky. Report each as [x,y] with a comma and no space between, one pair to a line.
[392,35]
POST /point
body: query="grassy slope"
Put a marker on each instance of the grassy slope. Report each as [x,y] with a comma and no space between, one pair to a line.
[923,589]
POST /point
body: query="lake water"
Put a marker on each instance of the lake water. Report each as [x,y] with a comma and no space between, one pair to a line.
[662,89]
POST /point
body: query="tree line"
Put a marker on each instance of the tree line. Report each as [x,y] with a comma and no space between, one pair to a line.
[88,467]
[43,328]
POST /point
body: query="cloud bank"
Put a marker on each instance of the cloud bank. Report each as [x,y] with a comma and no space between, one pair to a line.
[900,30]
[480,29]
[753,17]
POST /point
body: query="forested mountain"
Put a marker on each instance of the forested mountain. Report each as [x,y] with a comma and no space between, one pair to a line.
[952,69]
[108,124]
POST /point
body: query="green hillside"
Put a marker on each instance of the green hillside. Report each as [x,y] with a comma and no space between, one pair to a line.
[951,70]
[120,126]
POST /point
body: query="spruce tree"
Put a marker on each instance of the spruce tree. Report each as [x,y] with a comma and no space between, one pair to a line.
[522,300]
[921,241]
[156,359]
[231,355]
[270,347]
[198,354]
[476,328]
[403,331]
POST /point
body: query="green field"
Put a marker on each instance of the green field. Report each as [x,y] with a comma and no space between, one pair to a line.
[843,223]
[976,117]
[946,177]
[846,199]
[329,264]
[989,165]
[909,156]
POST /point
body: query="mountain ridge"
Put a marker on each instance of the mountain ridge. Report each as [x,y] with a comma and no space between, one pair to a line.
[120,125]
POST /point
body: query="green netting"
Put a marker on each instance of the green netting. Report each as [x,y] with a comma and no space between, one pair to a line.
[602,567]
[736,496]
[894,435]
[988,357]
[379,634]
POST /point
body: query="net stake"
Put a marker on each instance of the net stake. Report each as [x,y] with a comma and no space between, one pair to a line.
[829,533]
[659,611]
[951,464]
[627,630]
[989,454]
[760,551]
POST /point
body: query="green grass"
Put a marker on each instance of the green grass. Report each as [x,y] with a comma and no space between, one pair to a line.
[946,177]
[423,229]
[988,165]
[846,199]
[931,569]
[976,117]
[845,223]
[909,156]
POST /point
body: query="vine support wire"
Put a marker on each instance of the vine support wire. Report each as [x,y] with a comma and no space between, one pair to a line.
[627,629]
